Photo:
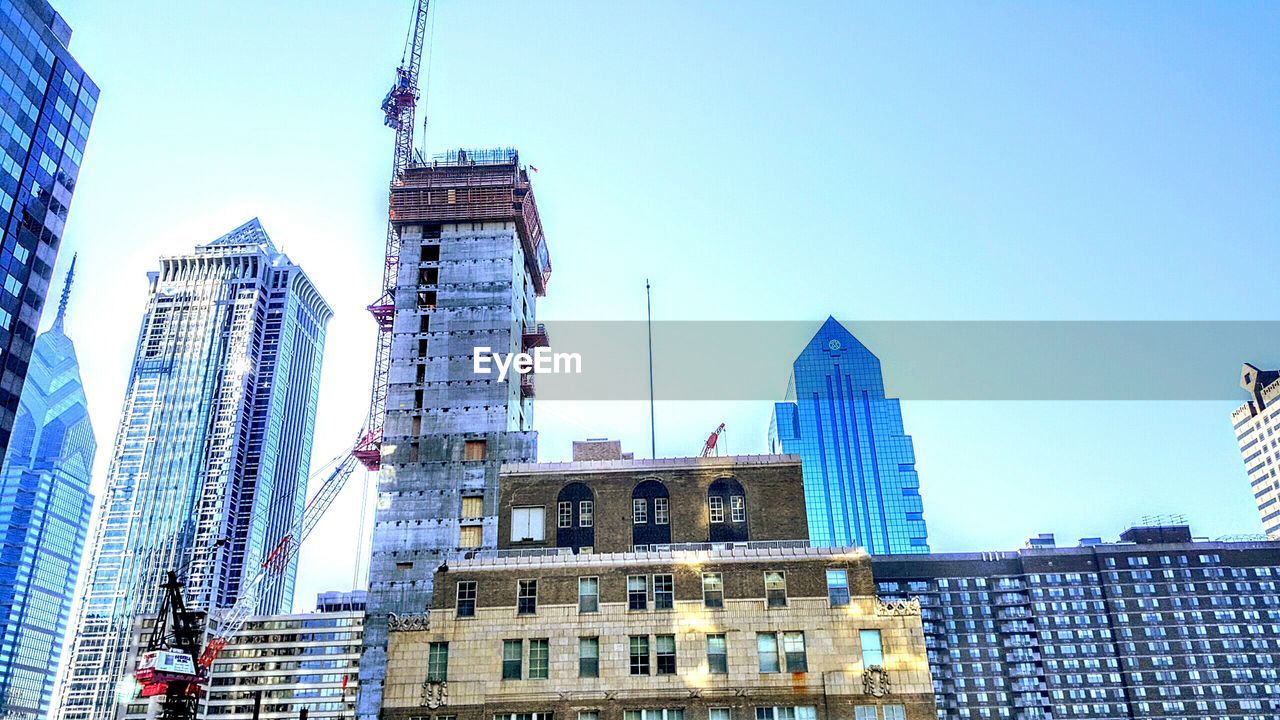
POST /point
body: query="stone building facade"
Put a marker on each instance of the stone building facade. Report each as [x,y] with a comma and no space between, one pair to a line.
[671,589]
[751,633]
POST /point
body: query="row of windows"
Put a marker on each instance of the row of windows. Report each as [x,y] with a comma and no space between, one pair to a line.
[654,655]
[658,589]
[777,712]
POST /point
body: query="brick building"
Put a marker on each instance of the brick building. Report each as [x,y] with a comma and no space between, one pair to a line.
[1156,625]
[695,596]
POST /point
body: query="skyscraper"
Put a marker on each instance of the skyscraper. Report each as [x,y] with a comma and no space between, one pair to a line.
[860,482]
[44,516]
[472,262]
[211,458]
[46,106]
[1256,423]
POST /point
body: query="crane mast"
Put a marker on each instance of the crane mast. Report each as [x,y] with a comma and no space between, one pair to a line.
[170,666]
[399,106]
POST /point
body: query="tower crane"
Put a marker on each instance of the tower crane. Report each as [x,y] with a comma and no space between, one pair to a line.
[709,446]
[173,663]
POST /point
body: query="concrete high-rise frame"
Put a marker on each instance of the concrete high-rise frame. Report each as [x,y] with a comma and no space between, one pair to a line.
[210,464]
[473,261]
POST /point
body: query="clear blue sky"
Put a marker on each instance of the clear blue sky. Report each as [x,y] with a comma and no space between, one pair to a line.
[781,161]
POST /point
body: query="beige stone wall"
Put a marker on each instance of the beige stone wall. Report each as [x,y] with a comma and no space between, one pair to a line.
[831,641]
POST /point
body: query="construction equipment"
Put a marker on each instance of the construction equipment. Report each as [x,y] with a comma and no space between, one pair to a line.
[173,664]
[398,106]
[167,666]
[709,446]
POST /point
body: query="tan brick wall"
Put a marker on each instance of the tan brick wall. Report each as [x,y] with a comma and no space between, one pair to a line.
[833,682]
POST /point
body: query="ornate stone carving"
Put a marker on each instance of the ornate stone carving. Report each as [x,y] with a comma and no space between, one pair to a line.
[408,623]
[898,607]
[875,681]
[435,693]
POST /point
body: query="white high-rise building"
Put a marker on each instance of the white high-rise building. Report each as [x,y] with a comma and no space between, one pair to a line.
[1257,427]
[211,457]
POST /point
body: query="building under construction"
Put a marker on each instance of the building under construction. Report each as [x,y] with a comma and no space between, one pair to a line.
[472,262]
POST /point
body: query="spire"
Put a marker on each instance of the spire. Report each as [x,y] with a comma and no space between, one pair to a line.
[66,294]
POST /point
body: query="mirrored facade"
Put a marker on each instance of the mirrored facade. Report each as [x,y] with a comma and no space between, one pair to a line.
[860,482]
[44,516]
[46,107]
[210,464]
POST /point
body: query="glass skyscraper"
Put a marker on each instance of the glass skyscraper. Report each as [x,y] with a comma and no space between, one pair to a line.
[860,482]
[210,464]
[44,516]
[46,106]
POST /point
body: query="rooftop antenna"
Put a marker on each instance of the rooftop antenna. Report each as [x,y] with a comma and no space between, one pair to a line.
[66,294]
[648,306]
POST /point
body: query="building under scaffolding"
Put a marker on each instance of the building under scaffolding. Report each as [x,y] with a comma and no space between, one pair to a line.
[473,261]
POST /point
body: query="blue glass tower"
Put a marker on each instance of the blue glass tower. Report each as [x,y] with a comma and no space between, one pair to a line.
[46,107]
[44,516]
[210,464]
[860,481]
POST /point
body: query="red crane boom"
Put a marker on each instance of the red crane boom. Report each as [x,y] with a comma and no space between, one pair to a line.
[399,106]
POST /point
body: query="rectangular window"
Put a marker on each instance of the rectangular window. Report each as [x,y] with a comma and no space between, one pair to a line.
[838,587]
[717,508]
[526,597]
[586,513]
[654,714]
[512,659]
[712,590]
[466,606]
[473,506]
[639,511]
[639,654]
[664,592]
[470,536]
[767,649]
[787,713]
[775,589]
[872,650]
[473,449]
[864,712]
[661,511]
[539,659]
[793,647]
[564,515]
[637,592]
[528,524]
[719,714]
[895,712]
[588,595]
[717,654]
[588,715]
[738,506]
[589,657]
[665,650]
[438,662]
[522,716]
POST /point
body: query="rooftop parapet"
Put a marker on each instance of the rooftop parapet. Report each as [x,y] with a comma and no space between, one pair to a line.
[475,186]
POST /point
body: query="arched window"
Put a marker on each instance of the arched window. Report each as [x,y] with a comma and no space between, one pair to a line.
[650,513]
[727,511]
[576,517]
